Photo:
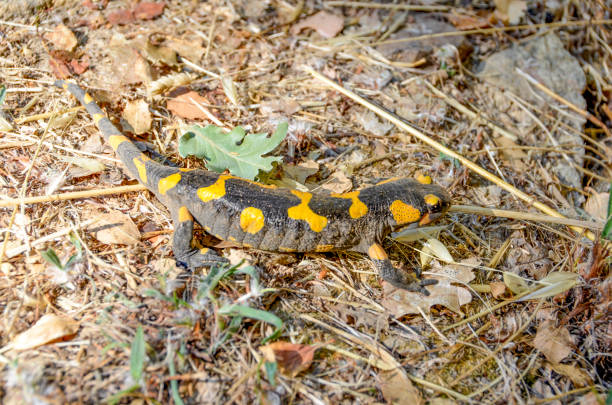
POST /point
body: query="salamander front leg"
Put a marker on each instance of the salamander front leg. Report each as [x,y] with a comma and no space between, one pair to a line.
[397,277]
[184,252]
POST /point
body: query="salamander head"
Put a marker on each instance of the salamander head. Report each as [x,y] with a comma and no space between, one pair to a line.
[411,203]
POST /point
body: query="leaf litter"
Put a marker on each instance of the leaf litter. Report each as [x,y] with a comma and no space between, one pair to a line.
[529,322]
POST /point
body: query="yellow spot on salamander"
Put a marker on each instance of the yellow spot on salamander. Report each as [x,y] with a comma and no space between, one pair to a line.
[389,180]
[87,98]
[285,249]
[303,212]
[98,117]
[139,162]
[251,220]
[116,140]
[324,248]
[168,183]
[204,251]
[432,200]
[184,169]
[65,86]
[231,238]
[358,208]
[215,190]
[404,213]
[423,178]
[376,252]
[184,214]
[207,228]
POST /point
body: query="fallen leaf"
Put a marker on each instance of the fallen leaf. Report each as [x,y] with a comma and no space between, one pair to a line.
[285,106]
[397,388]
[129,67]
[338,182]
[401,302]
[79,66]
[291,358]
[183,106]
[578,377]
[85,166]
[497,289]
[46,330]
[59,67]
[554,343]
[62,38]
[597,205]
[115,227]
[434,248]
[160,54]
[121,17]
[515,283]
[301,171]
[467,22]
[137,114]
[148,11]
[510,150]
[326,24]
[554,283]
[510,11]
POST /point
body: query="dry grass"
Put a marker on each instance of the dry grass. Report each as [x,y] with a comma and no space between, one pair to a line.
[334,302]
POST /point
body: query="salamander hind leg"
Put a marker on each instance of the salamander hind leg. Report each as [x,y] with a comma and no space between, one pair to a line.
[397,277]
[184,252]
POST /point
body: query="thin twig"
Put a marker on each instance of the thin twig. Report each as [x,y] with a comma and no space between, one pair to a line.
[526,216]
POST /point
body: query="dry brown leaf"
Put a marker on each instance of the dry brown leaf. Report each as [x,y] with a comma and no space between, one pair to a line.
[147,10]
[183,106]
[326,24]
[129,67]
[401,302]
[115,227]
[515,283]
[577,375]
[510,149]
[121,17]
[597,205]
[48,329]
[510,11]
[467,22]
[397,388]
[137,114]
[291,358]
[497,289]
[555,343]
[62,38]
[285,106]
[338,182]
[301,171]
[85,166]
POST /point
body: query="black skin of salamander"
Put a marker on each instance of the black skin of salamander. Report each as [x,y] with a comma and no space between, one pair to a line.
[221,216]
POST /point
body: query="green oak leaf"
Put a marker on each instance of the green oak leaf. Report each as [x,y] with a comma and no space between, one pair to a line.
[241,154]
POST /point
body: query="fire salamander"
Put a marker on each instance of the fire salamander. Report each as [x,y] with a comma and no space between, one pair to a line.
[276,219]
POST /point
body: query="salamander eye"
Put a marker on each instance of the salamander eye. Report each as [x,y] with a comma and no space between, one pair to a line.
[434,203]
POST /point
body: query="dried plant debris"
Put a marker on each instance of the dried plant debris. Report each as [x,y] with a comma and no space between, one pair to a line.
[94,307]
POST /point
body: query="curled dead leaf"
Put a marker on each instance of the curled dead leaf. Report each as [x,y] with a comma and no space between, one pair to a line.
[326,24]
[115,227]
[397,388]
[137,114]
[554,343]
[291,358]
[47,329]
[62,38]
[401,302]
